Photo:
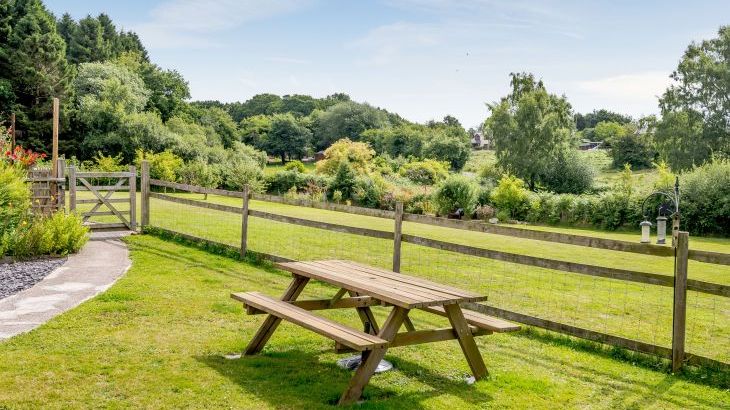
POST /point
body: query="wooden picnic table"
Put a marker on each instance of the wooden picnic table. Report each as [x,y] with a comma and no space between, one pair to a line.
[366,286]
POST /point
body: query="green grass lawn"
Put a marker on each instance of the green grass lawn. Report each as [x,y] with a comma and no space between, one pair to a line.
[636,311]
[156,340]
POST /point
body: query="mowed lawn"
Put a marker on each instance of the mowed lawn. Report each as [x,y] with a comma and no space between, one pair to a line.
[157,337]
[636,311]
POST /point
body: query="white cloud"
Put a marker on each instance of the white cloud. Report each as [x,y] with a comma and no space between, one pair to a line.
[636,86]
[631,93]
[187,23]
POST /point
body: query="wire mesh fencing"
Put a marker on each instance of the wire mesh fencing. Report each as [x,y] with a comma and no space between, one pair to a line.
[583,291]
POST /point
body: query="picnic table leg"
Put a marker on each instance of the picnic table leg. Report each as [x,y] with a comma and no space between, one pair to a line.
[466,341]
[272,322]
[373,357]
[367,317]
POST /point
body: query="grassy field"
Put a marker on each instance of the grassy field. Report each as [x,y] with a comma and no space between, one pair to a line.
[637,311]
[606,174]
[276,166]
[157,337]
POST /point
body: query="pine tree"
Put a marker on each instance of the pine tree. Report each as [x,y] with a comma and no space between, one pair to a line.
[67,28]
[88,44]
[129,42]
[38,69]
[110,35]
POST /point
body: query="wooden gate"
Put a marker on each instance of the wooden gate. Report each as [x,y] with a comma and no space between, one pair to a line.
[47,191]
[102,186]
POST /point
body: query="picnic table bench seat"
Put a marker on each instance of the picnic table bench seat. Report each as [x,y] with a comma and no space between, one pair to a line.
[352,338]
[479,320]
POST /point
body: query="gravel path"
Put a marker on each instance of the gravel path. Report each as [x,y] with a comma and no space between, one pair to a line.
[18,276]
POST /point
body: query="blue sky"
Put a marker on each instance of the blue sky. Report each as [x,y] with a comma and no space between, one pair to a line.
[420,58]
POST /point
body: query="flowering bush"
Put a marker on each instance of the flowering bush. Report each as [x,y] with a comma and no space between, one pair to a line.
[25,158]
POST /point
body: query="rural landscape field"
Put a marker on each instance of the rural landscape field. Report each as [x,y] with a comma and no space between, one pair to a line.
[405,204]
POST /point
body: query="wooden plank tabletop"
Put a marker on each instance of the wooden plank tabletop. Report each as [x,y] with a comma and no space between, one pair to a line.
[394,288]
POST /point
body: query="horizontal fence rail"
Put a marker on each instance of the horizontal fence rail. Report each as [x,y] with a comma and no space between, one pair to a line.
[546,263]
[475,226]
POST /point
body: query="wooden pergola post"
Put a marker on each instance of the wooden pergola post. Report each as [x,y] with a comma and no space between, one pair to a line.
[54,154]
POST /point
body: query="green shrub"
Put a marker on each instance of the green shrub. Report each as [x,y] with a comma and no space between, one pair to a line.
[419,204]
[241,172]
[14,197]
[369,191]
[705,203]
[108,163]
[484,194]
[343,182]
[570,175]
[59,234]
[491,172]
[633,149]
[283,181]
[295,165]
[163,165]
[426,172]
[199,173]
[456,192]
[68,234]
[511,196]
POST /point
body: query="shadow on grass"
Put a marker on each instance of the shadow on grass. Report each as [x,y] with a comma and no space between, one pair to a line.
[298,379]
[717,378]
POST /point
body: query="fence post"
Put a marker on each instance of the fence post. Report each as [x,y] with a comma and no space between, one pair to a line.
[133,197]
[397,233]
[679,317]
[145,182]
[244,221]
[72,188]
[61,198]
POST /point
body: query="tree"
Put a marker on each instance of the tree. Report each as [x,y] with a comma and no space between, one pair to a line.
[609,131]
[298,105]
[219,120]
[701,92]
[449,144]
[168,88]
[680,139]
[254,130]
[287,137]
[592,119]
[260,104]
[357,154]
[399,141]
[531,131]
[67,28]
[35,64]
[347,120]
[88,43]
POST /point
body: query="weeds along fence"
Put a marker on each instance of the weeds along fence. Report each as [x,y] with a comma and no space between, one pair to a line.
[575,285]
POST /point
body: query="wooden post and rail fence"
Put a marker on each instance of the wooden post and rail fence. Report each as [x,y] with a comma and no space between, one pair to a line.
[677,354]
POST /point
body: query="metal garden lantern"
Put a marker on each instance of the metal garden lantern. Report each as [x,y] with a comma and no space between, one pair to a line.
[669,208]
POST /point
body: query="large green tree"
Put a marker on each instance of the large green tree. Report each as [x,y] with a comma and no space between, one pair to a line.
[592,119]
[35,65]
[287,138]
[531,129]
[701,91]
[347,120]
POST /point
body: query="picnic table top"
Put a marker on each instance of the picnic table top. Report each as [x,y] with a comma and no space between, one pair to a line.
[397,289]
